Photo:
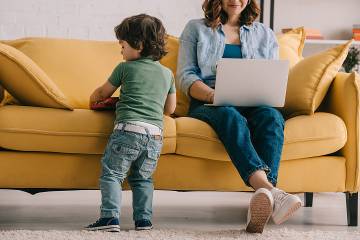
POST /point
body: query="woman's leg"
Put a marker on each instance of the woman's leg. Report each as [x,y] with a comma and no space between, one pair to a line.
[267,129]
[259,179]
[232,129]
[266,125]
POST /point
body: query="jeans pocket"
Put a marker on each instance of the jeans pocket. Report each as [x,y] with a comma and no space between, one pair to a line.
[121,156]
[149,164]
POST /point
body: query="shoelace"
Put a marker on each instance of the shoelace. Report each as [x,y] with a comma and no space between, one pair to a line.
[94,224]
[279,197]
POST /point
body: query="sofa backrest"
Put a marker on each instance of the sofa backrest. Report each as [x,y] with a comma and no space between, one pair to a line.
[77,67]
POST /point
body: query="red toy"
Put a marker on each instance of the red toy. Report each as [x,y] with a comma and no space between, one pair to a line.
[107,104]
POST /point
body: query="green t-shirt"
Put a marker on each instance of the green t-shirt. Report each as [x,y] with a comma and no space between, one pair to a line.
[145,85]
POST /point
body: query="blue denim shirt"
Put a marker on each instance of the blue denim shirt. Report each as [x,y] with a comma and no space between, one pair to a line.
[201,47]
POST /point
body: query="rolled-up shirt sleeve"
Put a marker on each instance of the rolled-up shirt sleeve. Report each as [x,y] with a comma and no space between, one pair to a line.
[188,70]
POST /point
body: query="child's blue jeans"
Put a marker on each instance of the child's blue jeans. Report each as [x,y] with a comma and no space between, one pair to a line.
[138,153]
[253,136]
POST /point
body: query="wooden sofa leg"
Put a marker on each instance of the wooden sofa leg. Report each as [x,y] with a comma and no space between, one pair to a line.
[352,208]
[308,198]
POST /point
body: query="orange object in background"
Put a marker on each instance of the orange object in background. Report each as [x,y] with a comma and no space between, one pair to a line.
[310,33]
[356,32]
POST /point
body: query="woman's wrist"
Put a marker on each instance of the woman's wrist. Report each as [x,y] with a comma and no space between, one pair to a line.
[210,96]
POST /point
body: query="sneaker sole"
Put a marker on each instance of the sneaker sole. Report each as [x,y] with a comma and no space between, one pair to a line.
[112,228]
[143,228]
[289,213]
[261,210]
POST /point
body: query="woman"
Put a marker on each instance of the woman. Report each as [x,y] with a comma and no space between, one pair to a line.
[252,136]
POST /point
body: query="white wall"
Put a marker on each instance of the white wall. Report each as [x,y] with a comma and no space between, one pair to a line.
[88,19]
[95,19]
[334,18]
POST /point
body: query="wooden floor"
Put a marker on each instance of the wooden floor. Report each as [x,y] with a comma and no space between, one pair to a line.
[71,210]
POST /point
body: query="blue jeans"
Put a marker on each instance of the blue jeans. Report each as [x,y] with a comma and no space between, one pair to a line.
[138,153]
[253,136]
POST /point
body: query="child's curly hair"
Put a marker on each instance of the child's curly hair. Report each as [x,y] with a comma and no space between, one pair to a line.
[146,31]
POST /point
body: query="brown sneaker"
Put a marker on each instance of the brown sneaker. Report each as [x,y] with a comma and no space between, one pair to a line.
[260,210]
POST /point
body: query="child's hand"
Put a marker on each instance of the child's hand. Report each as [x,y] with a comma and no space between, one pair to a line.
[107,104]
[101,93]
[95,98]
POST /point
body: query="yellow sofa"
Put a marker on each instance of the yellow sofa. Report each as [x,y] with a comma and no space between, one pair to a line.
[47,146]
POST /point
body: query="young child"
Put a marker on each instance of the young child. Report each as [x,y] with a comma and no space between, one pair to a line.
[147,92]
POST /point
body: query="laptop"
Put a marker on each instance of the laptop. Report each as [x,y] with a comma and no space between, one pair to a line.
[250,82]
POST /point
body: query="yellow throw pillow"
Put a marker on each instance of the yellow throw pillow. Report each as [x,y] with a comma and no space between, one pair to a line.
[310,79]
[291,45]
[77,67]
[27,82]
[170,59]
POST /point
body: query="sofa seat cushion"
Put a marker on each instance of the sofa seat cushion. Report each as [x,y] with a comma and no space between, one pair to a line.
[56,130]
[305,136]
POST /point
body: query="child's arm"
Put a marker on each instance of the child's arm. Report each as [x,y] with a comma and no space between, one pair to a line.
[102,92]
[170,104]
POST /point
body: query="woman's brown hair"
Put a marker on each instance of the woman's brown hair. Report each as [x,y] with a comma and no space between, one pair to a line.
[214,13]
[146,31]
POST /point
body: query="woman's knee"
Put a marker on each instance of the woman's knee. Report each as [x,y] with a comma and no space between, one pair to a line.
[271,114]
[227,112]
[217,114]
[230,114]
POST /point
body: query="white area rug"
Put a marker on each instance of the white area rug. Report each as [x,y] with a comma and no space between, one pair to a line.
[277,234]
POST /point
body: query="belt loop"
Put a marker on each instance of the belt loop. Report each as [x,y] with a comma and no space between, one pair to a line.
[147,133]
[123,127]
[161,134]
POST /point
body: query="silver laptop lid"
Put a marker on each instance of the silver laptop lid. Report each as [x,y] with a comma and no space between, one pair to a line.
[251,82]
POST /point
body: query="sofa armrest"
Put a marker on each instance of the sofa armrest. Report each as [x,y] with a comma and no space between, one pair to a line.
[343,100]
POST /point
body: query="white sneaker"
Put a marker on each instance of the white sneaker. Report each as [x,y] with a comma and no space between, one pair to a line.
[285,205]
[260,210]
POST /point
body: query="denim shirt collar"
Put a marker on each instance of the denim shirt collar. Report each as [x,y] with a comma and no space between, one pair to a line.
[248,27]
[246,46]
